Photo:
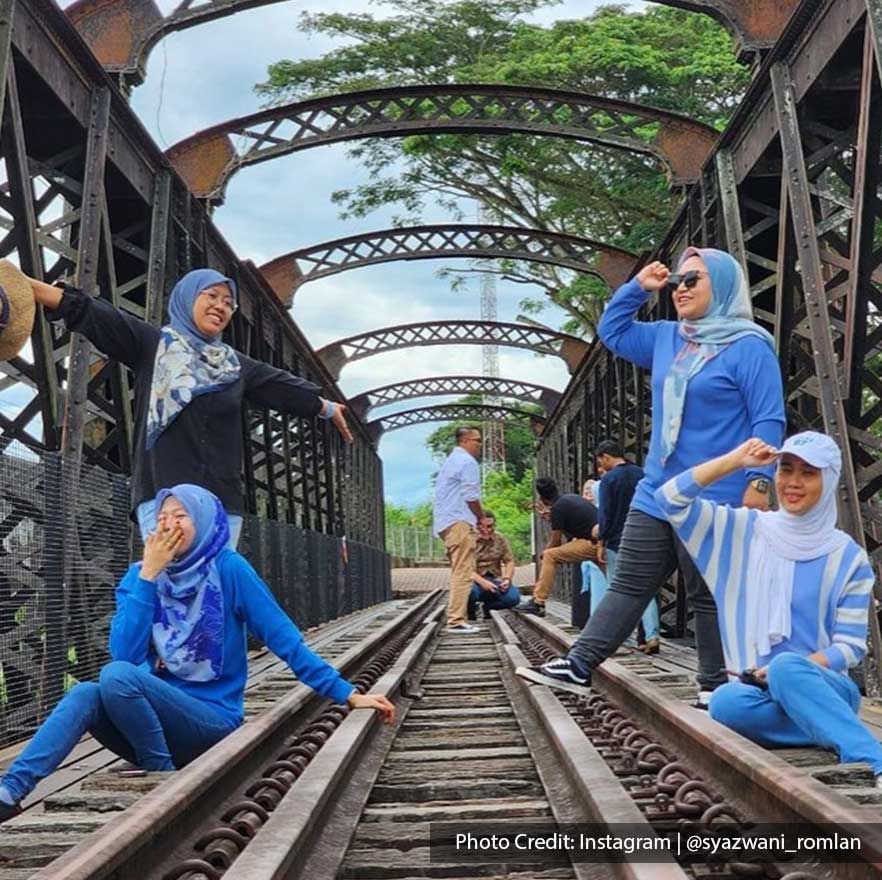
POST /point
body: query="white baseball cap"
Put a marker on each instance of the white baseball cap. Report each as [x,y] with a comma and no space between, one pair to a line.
[816,449]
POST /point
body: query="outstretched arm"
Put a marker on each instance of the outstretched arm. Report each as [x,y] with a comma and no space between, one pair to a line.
[277,631]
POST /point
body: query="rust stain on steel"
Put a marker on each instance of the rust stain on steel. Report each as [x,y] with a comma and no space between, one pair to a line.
[283,275]
[202,162]
[686,147]
[615,267]
[755,24]
[114,29]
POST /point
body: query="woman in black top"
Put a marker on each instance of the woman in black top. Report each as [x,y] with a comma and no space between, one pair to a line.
[190,388]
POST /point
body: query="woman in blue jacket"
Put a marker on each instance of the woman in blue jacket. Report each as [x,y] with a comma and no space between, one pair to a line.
[715,383]
[179,646]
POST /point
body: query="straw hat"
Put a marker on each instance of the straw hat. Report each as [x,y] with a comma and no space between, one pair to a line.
[16,310]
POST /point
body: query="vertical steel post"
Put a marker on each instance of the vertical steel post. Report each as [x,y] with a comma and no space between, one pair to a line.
[728,190]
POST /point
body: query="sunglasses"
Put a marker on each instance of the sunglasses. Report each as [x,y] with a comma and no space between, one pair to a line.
[687,279]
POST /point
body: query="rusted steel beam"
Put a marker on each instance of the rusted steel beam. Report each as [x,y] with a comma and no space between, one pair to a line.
[453,412]
[337,354]
[608,262]
[207,159]
[755,24]
[864,260]
[284,276]
[88,255]
[811,273]
[7,8]
[25,229]
[491,386]
[731,210]
[122,33]
[160,230]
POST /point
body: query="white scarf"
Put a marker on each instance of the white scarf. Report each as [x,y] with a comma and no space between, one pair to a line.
[780,540]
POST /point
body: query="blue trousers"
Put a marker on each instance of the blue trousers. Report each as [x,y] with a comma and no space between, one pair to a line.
[599,586]
[805,705]
[131,712]
[492,601]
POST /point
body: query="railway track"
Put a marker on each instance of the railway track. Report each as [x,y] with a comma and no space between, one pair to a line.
[111,815]
[476,746]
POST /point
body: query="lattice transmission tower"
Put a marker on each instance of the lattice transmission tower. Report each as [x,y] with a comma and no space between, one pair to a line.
[493,458]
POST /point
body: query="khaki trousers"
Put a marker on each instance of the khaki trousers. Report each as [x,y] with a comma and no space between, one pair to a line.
[577,550]
[459,542]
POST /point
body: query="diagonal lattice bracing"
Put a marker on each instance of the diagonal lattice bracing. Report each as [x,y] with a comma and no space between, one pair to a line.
[482,241]
[337,354]
[492,386]
[207,159]
[452,412]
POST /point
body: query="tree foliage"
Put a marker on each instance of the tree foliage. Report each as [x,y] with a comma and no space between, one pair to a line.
[664,57]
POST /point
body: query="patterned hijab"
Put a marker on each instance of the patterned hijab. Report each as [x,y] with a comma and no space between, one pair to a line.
[187,363]
[188,621]
[729,318]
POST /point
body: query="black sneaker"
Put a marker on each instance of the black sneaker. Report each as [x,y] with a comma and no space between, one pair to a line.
[702,700]
[532,607]
[558,673]
[8,812]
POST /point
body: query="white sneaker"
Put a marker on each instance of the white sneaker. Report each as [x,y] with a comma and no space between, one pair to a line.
[464,628]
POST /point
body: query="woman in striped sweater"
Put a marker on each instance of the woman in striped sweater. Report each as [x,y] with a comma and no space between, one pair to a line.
[793,596]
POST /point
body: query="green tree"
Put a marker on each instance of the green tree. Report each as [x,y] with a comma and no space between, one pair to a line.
[511,501]
[664,57]
[520,441]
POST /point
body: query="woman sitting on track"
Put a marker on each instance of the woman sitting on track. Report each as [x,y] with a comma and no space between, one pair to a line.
[190,387]
[179,648]
[793,594]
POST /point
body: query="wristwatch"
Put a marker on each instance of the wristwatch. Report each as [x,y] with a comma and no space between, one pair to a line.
[761,484]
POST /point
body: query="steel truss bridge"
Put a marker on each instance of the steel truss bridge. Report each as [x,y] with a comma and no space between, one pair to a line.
[791,187]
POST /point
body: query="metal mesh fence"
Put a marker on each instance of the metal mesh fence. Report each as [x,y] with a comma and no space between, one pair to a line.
[57,588]
[412,543]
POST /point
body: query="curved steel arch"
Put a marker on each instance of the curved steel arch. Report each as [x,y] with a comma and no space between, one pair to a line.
[337,355]
[492,386]
[608,262]
[208,158]
[450,412]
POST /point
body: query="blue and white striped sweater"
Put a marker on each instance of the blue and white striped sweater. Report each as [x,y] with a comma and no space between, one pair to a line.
[831,594]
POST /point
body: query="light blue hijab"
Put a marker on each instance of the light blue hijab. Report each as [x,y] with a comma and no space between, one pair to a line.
[729,318]
[188,620]
[187,362]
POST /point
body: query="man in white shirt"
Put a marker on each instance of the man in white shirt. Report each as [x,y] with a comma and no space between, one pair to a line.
[457,510]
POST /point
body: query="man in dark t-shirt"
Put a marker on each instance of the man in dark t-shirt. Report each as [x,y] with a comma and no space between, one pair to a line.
[572,516]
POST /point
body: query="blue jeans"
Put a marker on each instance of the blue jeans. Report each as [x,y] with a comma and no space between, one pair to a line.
[130,711]
[492,601]
[805,705]
[146,513]
[599,586]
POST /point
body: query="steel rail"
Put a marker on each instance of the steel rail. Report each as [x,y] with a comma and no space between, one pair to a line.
[132,844]
[762,782]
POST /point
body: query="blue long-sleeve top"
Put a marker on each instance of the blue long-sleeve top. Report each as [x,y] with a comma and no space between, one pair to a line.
[831,594]
[735,396]
[614,495]
[249,606]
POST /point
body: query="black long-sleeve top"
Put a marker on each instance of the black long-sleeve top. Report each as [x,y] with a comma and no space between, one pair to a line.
[203,445]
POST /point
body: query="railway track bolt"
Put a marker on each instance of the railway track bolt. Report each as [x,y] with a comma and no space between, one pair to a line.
[722,813]
[672,776]
[652,758]
[694,797]
[193,866]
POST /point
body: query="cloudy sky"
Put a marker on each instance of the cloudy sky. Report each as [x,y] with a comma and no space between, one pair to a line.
[204,75]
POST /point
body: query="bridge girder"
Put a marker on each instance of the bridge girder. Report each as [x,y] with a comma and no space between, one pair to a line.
[452,412]
[492,386]
[122,33]
[611,264]
[338,354]
[208,158]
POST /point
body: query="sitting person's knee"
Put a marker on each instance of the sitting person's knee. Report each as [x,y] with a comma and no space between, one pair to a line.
[727,704]
[116,673]
[86,693]
[782,668]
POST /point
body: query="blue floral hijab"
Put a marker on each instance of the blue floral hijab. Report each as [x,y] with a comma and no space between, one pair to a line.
[187,363]
[729,318]
[188,620]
